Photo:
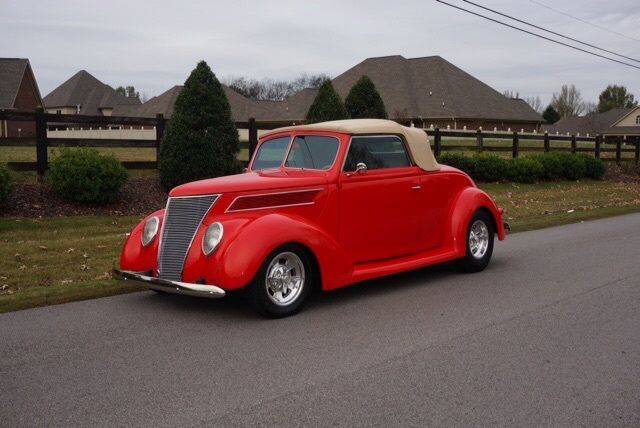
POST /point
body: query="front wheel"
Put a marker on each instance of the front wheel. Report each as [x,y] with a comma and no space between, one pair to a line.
[480,235]
[282,283]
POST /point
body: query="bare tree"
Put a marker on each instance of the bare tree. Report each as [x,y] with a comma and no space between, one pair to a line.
[273,90]
[128,91]
[535,103]
[590,107]
[568,102]
[511,94]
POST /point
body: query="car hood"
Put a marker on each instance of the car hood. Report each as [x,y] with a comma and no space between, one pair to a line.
[252,181]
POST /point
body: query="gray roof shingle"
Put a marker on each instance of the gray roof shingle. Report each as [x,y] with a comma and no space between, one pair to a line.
[428,87]
[91,94]
[432,87]
[594,123]
[165,102]
[11,73]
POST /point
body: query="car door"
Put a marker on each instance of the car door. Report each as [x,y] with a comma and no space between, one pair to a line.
[380,203]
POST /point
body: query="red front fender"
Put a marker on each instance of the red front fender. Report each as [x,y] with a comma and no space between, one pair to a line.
[465,205]
[238,263]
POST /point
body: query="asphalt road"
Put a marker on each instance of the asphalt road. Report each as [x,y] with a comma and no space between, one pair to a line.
[548,335]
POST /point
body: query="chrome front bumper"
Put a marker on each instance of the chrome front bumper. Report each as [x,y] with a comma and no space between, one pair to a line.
[175,287]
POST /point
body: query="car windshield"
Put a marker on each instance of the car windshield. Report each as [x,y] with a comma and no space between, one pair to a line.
[312,152]
[270,154]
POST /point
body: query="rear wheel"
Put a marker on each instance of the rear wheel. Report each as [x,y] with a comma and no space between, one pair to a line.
[480,235]
[282,283]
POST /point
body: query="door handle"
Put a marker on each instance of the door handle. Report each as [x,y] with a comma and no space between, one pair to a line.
[416,188]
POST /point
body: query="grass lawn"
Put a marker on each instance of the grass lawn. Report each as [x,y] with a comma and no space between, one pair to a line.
[28,154]
[49,261]
[57,260]
[536,206]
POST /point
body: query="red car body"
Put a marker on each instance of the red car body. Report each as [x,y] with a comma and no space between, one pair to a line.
[354,226]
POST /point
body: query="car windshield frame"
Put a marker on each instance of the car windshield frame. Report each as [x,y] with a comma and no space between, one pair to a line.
[333,162]
[286,152]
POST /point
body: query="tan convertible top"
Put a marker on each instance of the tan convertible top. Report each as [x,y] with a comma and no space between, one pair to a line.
[416,138]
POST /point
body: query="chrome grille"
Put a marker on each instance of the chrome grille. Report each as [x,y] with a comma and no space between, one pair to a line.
[181,221]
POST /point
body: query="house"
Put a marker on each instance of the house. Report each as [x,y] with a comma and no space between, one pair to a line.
[615,122]
[428,92]
[18,91]
[84,94]
[431,91]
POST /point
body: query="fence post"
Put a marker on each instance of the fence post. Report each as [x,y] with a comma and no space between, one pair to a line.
[598,143]
[618,150]
[573,143]
[637,150]
[159,135]
[437,140]
[516,145]
[41,142]
[479,141]
[253,136]
[547,146]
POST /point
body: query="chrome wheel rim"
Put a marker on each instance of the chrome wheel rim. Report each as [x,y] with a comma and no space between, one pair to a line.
[285,278]
[478,239]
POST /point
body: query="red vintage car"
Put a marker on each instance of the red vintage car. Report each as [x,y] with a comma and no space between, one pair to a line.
[320,206]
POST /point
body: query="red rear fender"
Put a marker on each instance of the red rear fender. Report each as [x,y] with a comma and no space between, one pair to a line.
[465,205]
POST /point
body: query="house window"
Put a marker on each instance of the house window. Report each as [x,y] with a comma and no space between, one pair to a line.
[638,119]
[58,111]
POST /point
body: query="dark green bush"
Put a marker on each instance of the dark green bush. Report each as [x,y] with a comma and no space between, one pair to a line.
[457,160]
[84,175]
[573,166]
[364,101]
[524,170]
[489,168]
[552,166]
[594,167]
[6,184]
[549,166]
[201,139]
[327,105]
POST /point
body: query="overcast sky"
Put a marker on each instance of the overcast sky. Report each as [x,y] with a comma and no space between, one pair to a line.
[154,45]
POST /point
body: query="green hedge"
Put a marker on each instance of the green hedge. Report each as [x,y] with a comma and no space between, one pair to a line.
[6,185]
[529,169]
[85,175]
[524,170]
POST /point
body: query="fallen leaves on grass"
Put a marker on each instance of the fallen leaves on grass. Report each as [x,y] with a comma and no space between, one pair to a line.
[105,275]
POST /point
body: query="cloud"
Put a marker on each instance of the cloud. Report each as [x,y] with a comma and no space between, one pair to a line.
[155,46]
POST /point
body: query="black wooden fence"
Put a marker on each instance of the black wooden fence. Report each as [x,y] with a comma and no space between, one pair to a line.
[509,142]
[44,121]
[540,142]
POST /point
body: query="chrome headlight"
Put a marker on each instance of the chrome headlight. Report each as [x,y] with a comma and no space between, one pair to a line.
[212,238]
[150,230]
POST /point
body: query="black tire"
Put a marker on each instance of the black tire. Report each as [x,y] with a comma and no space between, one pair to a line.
[472,262]
[261,296]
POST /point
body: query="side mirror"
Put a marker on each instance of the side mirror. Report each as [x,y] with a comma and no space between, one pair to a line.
[361,167]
